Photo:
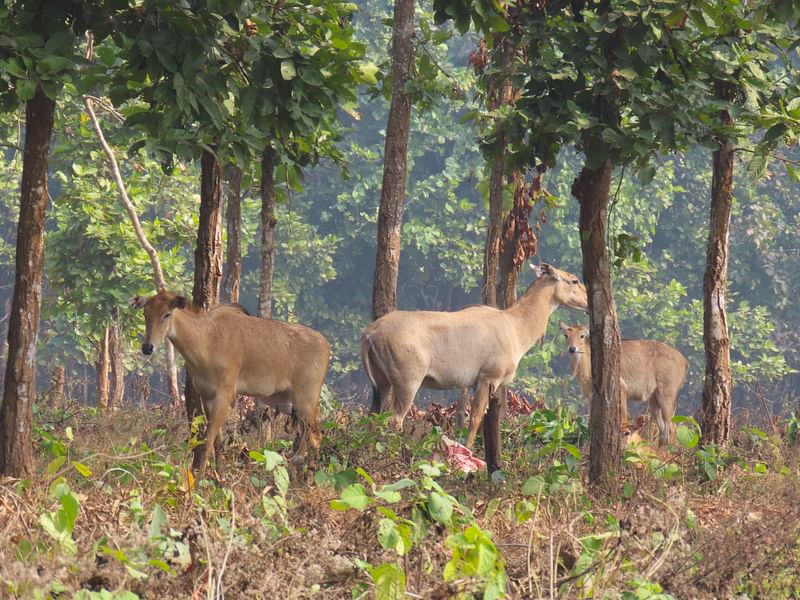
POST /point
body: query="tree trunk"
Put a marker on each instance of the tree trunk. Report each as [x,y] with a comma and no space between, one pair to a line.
[395,161]
[233,250]
[494,290]
[207,255]
[516,244]
[117,363]
[57,387]
[19,391]
[102,370]
[500,94]
[715,410]
[591,188]
[267,233]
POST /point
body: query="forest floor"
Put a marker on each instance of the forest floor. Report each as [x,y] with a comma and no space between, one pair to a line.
[113,513]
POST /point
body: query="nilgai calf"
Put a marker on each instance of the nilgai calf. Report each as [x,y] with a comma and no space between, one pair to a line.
[650,371]
[228,352]
[477,346]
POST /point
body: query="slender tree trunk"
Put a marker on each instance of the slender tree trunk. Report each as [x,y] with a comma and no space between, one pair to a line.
[267,233]
[19,391]
[207,255]
[500,94]
[491,252]
[233,250]
[57,387]
[102,370]
[493,290]
[395,162]
[715,412]
[117,363]
[158,274]
[515,247]
[591,188]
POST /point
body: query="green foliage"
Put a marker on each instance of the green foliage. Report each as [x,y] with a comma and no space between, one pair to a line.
[40,45]
[389,580]
[273,505]
[476,558]
[476,561]
[60,523]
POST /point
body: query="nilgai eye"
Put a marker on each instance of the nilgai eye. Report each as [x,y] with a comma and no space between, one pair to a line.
[166,316]
[575,282]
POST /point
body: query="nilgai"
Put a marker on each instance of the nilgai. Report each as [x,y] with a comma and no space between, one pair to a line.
[476,347]
[649,371]
[228,352]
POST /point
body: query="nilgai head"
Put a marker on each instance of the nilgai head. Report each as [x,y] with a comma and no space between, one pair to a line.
[577,338]
[157,316]
[569,291]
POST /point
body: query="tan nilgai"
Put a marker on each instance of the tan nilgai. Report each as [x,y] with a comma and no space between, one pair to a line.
[477,346]
[650,371]
[229,352]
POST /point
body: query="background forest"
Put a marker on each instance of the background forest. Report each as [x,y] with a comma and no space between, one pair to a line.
[326,218]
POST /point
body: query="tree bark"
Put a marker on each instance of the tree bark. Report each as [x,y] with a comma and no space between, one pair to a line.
[102,370]
[500,94]
[267,233]
[516,244]
[395,163]
[57,387]
[158,274]
[715,410]
[591,188]
[19,391]
[207,255]
[116,358]
[233,250]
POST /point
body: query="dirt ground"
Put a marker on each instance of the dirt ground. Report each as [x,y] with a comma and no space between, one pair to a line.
[113,513]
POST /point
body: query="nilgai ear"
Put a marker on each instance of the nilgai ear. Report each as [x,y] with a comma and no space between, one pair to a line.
[138,302]
[564,326]
[178,302]
[543,269]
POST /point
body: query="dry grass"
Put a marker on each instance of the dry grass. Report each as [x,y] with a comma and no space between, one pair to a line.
[735,535]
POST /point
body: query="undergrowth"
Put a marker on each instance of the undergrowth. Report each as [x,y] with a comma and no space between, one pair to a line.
[114,513]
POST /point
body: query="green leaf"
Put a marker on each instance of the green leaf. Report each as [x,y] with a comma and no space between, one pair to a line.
[288,72]
[387,495]
[395,536]
[55,464]
[390,582]
[272,459]
[368,72]
[534,486]
[440,508]
[365,475]
[158,520]
[69,510]
[82,468]
[26,89]
[353,496]
[687,436]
